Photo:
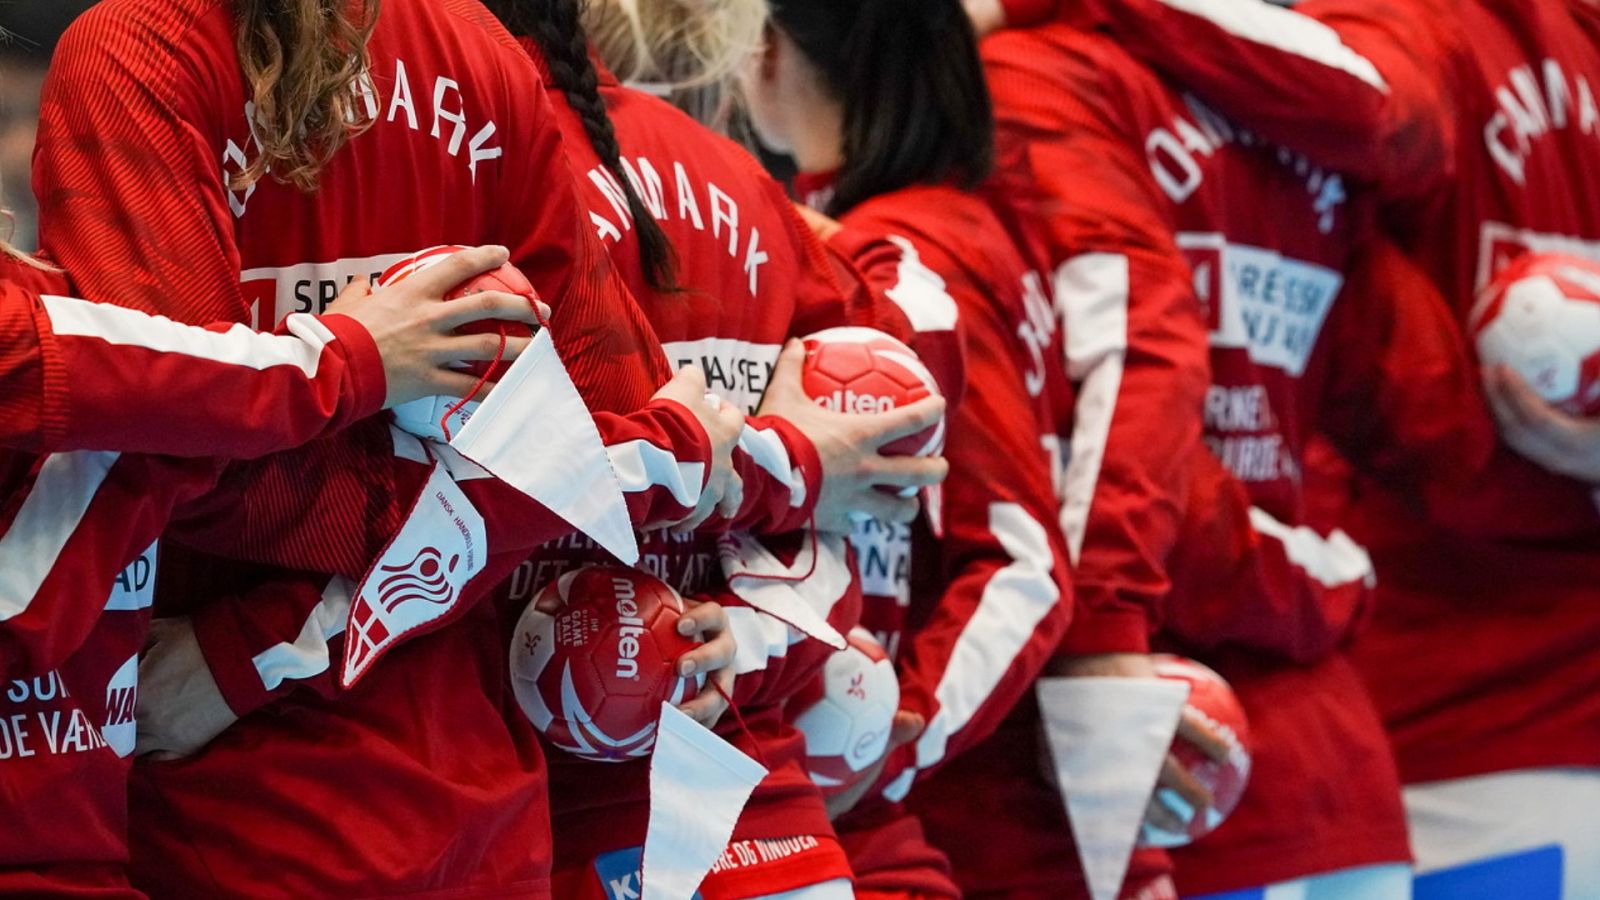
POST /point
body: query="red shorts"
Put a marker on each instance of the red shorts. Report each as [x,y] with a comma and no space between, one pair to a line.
[752,867]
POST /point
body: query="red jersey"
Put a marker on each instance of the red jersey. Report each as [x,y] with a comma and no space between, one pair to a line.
[753,276]
[1255,591]
[143,118]
[1476,121]
[970,616]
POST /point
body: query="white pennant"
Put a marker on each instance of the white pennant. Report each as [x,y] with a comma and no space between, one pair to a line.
[760,579]
[534,433]
[1108,738]
[699,784]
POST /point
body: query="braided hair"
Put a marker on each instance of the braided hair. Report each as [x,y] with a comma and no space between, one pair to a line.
[557,26]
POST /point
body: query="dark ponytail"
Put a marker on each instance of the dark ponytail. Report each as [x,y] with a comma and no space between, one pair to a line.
[916,108]
[557,26]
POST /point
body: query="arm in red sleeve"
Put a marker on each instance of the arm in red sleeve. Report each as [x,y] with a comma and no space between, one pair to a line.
[1136,345]
[1005,601]
[33,382]
[1245,578]
[146,384]
[1358,87]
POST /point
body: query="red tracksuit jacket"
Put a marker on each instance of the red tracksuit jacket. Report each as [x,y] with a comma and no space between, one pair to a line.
[1476,122]
[463,150]
[268,641]
[973,614]
[1270,242]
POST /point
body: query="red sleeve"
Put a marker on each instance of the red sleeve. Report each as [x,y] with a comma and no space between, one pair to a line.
[274,638]
[1355,85]
[146,384]
[69,524]
[1136,345]
[33,384]
[1403,402]
[1245,578]
[1005,601]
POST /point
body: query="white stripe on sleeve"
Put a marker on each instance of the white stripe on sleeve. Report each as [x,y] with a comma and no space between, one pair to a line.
[1333,560]
[55,506]
[1275,26]
[308,655]
[1092,291]
[239,345]
[641,465]
[1017,598]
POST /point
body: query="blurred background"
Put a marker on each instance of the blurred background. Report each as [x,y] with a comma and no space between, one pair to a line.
[31,28]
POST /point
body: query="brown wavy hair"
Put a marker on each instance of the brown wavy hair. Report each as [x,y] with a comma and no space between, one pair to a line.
[302,59]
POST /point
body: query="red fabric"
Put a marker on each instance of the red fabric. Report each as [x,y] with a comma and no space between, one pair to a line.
[747,868]
[753,276]
[989,598]
[891,855]
[1138,349]
[1024,848]
[1302,338]
[143,101]
[1477,622]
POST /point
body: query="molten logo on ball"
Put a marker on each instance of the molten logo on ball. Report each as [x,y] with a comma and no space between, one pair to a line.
[1541,317]
[1213,702]
[592,676]
[846,713]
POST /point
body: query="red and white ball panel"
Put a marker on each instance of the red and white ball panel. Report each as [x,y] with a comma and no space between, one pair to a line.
[1541,317]
[846,712]
[863,370]
[592,677]
[1213,700]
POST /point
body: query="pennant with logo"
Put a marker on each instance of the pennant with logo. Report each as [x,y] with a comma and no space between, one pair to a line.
[418,580]
[1107,738]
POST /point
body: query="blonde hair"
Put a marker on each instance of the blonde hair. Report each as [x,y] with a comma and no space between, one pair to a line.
[303,60]
[684,50]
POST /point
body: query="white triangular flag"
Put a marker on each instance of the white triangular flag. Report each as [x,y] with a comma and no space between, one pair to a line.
[1108,738]
[801,593]
[534,433]
[699,784]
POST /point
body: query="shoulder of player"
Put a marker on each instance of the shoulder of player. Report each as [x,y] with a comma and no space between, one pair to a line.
[127,31]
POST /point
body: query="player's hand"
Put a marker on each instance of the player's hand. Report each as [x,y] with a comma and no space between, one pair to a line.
[986,15]
[713,658]
[1564,444]
[847,445]
[723,423]
[416,332]
[820,224]
[180,708]
[1179,798]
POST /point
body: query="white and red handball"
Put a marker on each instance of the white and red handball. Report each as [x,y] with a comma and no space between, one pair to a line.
[592,677]
[423,417]
[846,713]
[863,370]
[1214,702]
[1541,317]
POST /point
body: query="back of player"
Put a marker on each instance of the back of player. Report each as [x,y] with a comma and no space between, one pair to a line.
[1270,240]
[460,147]
[890,125]
[1477,121]
[749,276]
